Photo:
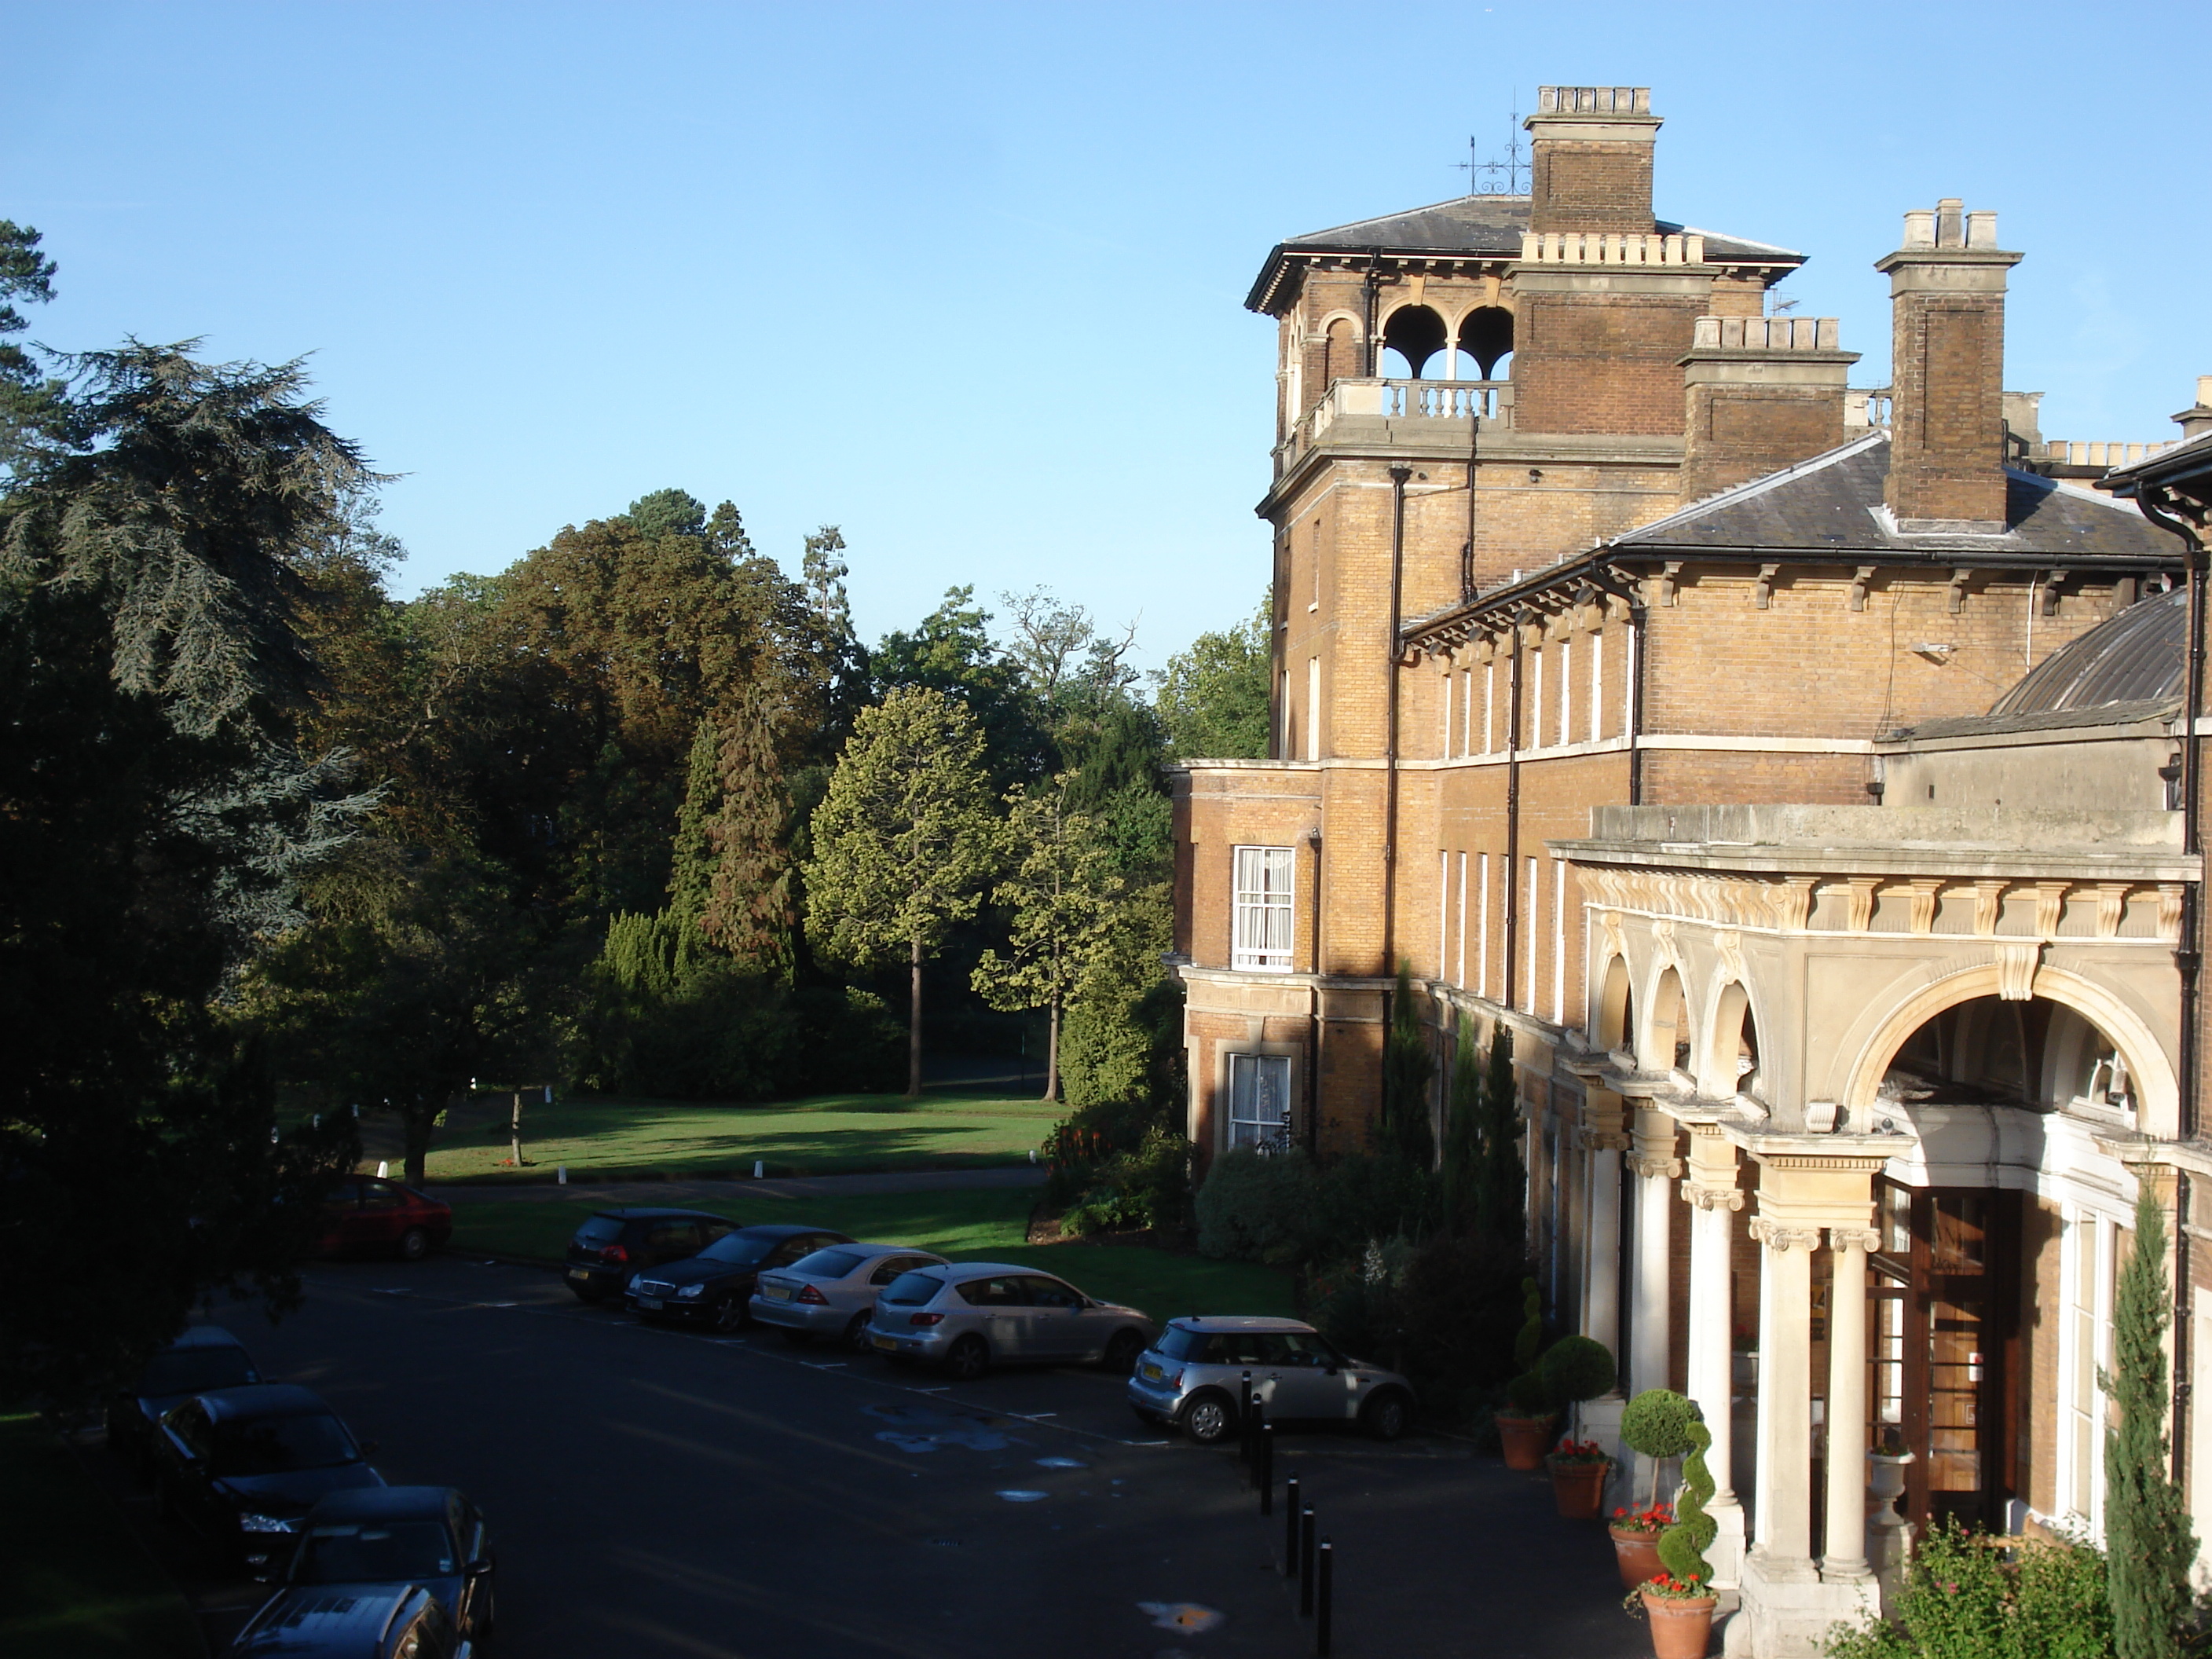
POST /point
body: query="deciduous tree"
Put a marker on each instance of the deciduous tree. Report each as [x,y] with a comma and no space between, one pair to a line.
[1060,894]
[904,842]
[1213,698]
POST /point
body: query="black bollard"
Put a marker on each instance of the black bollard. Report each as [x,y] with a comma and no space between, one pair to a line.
[1244,1421]
[1290,1526]
[1306,1562]
[1324,1595]
[1267,1468]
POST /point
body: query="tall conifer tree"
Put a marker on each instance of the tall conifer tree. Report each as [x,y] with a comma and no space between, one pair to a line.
[2146,1530]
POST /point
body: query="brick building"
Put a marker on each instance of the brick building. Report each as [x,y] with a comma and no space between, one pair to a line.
[1610,622]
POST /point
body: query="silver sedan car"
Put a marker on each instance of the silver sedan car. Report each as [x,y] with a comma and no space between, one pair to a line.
[1192,1379]
[972,1315]
[833,1291]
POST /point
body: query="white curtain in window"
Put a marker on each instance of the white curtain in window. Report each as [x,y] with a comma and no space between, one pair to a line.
[1260,1100]
[1262,937]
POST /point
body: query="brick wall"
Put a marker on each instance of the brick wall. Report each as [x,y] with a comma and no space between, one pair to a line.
[1733,433]
[1602,362]
[1948,374]
[1590,184]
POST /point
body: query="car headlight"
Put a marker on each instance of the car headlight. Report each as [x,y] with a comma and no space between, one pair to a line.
[690,1292]
[251,1521]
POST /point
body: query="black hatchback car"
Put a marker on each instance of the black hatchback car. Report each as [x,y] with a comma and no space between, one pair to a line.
[205,1356]
[614,1244]
[242,1467]
[717,1284]
[361,1621]
[379,1539]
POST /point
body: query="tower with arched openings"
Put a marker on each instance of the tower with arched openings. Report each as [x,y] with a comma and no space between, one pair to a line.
[1641,687]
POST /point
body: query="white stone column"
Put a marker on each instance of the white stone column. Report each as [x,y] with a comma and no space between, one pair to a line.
[1847,1404]
[1710,1190]
[1649,1317]
[1784,1549]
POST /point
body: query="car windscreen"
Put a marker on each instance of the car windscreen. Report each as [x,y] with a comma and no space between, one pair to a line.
[829,1264]
[740,1249]
[911,1290]
[375,1551]
[599,1229]
[1176,1343]
[195,1371]
[275,1445]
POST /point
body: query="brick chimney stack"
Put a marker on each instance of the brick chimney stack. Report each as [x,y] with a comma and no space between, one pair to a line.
[1760,394]
[1590,158]
[1947,286]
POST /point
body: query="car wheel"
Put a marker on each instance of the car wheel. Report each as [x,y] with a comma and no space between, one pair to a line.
[1121,1350]
[1208,1417]
[1386,1415]
[731,1315]
[856,1332]
[414,1244]
[969,1358]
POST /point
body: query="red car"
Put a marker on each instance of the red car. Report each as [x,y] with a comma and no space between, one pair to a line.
[366,1213]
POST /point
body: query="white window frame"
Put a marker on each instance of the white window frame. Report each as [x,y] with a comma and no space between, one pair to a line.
[1313,708]
[1459,971]
[1558,940]
[2082,1408]
[1566,691]
[1489,708]
[1482,925]
[1263,916]
[1528,929]
[1244,1123]
[1597,688]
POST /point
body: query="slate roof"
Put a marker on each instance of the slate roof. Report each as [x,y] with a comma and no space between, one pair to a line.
[1833,503]
[1477,225]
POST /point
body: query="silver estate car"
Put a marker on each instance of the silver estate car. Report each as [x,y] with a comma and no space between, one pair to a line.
[1192,1379]
[833,1291]
[971,1315]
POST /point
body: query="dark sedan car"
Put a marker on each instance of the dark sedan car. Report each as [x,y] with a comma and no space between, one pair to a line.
[361,1621]
[614,1244]
[717,1284]
[242,1467]
[205,1356]
[384,1539]
[368,1213]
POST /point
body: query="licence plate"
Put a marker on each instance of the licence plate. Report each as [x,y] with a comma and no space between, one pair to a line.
[886,1342]
[779,1292]
[1153,1373]
[650,1301]
[578,1273]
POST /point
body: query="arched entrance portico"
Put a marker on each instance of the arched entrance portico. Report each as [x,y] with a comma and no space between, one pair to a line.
[2149,1067]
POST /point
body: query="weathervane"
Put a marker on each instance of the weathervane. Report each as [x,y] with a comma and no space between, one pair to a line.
[1487,178]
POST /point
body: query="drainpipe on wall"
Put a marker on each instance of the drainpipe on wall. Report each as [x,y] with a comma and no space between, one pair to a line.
[1398,474]
[1512,917]
[2157,505]
[1313,1018]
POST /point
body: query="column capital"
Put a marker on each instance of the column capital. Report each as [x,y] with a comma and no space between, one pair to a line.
[1706,1196]
[1650,1168]
[1597,1140]
[1854,1238]
[1779,1236]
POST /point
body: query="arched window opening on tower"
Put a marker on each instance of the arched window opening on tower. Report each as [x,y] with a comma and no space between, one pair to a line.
[1411,338]
[1485,334]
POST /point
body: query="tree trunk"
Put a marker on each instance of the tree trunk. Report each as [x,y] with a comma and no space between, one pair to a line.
[913,1029]
[514,1129]
[416,1122]
[1052,1055]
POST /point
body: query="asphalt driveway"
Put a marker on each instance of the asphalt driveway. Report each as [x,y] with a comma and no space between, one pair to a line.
[655,1491]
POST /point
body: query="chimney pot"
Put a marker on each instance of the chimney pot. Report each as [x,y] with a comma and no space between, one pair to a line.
[1950,222]
[1919,228]
[1982,229]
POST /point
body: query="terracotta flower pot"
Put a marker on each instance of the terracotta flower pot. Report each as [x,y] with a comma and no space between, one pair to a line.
[1680,1627]
[1526,1440]
[1577,1485]
[1636,1553]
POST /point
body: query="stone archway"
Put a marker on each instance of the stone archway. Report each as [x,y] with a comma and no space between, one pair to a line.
[1616,1006]
[2148,1063]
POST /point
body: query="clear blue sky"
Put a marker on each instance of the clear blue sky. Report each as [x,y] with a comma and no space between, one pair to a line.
[966,279]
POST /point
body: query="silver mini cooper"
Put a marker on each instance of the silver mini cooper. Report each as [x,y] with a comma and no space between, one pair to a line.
[970,1315]
[1192,1379]
[832,1291]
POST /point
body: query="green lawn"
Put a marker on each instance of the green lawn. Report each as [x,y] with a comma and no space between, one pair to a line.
[974,1225]
[79,1586]
[826,1134]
